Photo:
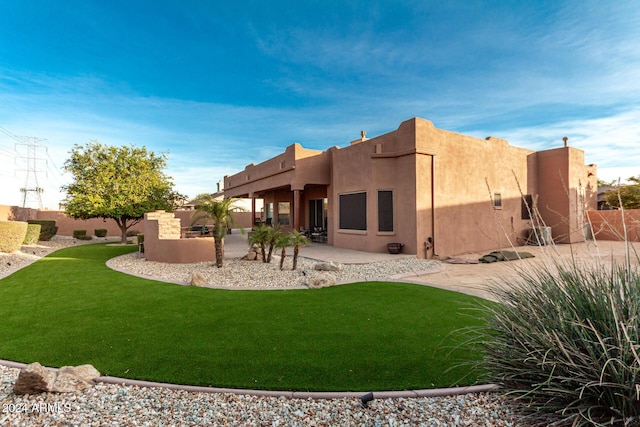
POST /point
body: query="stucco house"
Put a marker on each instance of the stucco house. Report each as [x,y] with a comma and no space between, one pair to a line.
[437,192]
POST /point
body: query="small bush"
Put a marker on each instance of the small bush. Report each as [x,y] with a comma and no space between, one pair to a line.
[132,233]
[12,235]
[48,228]
[140,238]
[81,235]
[565,344]
[33,234]
[100,232]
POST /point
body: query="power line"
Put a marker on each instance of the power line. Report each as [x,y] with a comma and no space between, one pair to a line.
[31,187]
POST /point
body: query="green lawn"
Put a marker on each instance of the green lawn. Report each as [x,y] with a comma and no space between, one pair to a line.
[70,309]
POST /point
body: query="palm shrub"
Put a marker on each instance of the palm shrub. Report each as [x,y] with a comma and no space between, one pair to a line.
[273,233]
[564,343]
[258,236]
[297,241]
[221,213]
[282,241]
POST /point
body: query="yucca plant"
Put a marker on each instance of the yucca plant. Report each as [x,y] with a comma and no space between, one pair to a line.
[565,342]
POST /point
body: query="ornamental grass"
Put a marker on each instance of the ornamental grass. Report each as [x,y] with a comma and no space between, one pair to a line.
[563,342]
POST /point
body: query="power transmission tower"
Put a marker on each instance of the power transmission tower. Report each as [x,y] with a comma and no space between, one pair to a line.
[31,189]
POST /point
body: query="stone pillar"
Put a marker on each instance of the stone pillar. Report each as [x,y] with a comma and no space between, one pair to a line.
[168,224]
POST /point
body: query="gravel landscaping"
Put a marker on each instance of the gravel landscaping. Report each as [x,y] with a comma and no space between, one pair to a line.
[118,405]
[255,274]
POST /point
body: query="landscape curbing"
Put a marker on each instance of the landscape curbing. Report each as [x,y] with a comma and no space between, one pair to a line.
[316,395]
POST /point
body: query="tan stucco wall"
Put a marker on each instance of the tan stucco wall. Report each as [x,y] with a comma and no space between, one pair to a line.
[176,250]
[466,171]
[443,184]
[371,165]
[292,169]
[567,187]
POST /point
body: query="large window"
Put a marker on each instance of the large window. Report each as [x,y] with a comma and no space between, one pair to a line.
[353,211]
[317,213]
[284,213]
[385,210]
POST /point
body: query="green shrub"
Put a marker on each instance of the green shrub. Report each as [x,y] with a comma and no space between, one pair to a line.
[132,233]
[12,235]
[100,232]
[33,234]
[81,235]
[140,238]
[48,228]
[565,344]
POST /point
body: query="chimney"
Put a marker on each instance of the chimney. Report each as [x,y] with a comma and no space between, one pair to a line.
[363,137]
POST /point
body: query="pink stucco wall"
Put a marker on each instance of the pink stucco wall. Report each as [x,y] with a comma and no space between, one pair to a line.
[609,225]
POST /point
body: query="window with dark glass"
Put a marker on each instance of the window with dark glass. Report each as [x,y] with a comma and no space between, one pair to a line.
[353,211]
[284,213]
[497,200]
[385,210]
[527,206]
[317,213]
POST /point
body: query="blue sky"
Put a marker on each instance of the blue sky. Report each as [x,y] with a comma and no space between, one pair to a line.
[219,85]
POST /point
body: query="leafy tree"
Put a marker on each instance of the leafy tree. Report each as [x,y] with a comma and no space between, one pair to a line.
[602,183]
[221,213]
[628,194]
[120,183]
[297,240]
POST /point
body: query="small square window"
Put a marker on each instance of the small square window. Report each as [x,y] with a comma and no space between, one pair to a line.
[497,200]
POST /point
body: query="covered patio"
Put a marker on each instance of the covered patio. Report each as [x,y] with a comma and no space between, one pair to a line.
[294,187]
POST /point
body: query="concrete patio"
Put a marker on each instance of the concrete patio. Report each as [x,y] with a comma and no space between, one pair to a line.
[473,279]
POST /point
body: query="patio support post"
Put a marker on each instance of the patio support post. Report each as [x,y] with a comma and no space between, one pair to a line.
[253,210]
[296,210]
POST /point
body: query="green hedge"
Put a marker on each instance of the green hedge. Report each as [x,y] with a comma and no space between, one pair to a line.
[12,235]
[48,228]
[81,235]
[100,232]
[33,234]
